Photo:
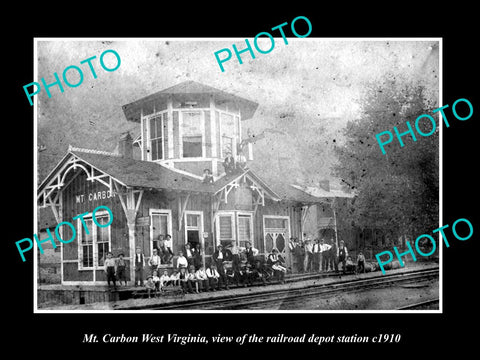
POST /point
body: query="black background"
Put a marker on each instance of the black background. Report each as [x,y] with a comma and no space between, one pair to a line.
[421,333]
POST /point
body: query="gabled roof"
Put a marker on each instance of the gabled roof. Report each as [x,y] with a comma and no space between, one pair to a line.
[147,174]
[318,192]
[142,174]
[238,174]
[132,111]
[289,193]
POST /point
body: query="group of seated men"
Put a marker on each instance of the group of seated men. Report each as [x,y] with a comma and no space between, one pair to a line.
[232,265]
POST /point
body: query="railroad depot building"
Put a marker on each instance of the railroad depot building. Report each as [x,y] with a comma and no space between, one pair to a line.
[155,186]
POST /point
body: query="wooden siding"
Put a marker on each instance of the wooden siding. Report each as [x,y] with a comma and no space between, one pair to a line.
[165,135]
[176,136]
[238,199]
[72,207]
[217,129]
[71,272]
[208,134]
[155,199]
[145,145]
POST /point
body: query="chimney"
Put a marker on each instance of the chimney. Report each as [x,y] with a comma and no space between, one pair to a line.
[324,184]
[125,145]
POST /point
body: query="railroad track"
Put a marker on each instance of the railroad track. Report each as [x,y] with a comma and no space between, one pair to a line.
[420,305]
[243,301]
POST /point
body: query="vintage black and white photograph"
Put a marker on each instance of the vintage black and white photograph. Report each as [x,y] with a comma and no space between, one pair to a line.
[165,184]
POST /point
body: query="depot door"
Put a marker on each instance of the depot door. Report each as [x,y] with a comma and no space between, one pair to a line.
[276,232]
[194,231]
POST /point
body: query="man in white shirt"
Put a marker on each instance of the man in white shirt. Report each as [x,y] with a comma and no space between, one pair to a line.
[219,256]
[250,253]
[154,261]
[181,261]
[324,255]
[189,254]
[168,247]
[164,279]
[316,255]
[202,278]
[308,255]
[139,265]
[175,278]
[235,250]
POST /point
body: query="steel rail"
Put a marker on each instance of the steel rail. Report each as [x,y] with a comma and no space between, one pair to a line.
[420,304]
[232,301]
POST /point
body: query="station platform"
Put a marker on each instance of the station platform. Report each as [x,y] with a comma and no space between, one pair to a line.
[121,298]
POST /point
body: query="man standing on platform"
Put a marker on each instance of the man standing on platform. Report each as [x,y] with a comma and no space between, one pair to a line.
[308,255]
[250,253]
[342,254]
[235,251]
[316,255]
[299,254]
[219,256]
[139,265]
[189,254]
[332,256]
[324,255]
[168,247]
[292,246]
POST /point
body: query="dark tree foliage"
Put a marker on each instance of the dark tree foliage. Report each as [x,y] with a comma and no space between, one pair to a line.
[397,192]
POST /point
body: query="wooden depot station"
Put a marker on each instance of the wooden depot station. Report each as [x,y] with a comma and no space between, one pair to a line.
[154,186]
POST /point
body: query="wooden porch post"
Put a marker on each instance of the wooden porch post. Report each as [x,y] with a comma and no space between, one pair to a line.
[335,220]
[130,208]
[131,243]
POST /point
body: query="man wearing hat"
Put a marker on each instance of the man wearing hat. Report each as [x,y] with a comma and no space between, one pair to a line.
[219,256]
[324,250]
[308,255]
[154,261]
[331,256]
[250,253]
[342,254]
[121,269]
[139,265]
[229,164]
[276,262]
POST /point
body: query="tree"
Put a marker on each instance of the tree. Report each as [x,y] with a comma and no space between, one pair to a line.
[399,191]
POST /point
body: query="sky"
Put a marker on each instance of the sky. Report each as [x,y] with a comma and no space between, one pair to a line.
[307,89]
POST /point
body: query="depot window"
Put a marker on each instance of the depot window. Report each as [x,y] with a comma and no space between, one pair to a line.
[245,229]
[234,226]
[192,134]
[158,136]
[94,246]
[225,226]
